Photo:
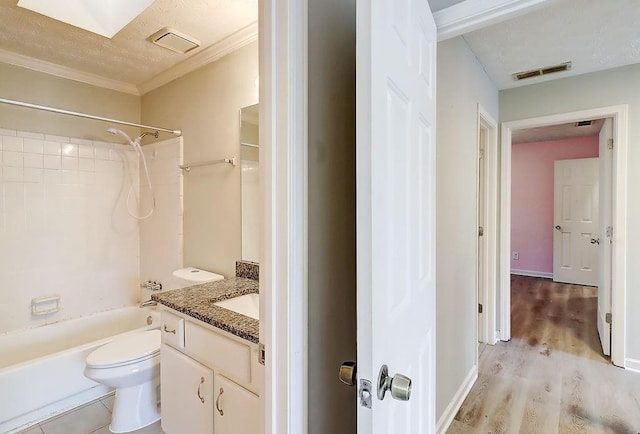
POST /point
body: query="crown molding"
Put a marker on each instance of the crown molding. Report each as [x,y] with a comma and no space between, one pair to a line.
[471,15]
[210,54]
[65,72]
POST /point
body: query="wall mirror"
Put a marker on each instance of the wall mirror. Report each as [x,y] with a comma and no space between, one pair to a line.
[250,183]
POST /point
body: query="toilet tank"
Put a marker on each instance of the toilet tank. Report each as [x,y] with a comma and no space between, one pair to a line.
[194,276]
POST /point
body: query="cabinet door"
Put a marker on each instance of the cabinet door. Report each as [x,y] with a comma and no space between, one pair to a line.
[237,411]
[186,392]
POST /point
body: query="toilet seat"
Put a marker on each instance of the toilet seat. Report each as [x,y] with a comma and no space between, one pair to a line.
[126,350]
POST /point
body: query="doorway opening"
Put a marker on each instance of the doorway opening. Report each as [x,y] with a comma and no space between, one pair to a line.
[612,259]
[487,201]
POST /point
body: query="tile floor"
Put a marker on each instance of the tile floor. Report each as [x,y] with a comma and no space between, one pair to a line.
[91,418]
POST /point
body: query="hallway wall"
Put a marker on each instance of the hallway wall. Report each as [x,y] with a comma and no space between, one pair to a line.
[331,214]
[462,84]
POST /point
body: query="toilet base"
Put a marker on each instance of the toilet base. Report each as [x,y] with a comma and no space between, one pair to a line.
[135,407]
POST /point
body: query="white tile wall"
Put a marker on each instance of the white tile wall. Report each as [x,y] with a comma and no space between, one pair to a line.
[64,228]
[161,237]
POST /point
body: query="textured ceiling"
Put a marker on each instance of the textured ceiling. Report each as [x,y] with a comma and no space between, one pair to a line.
[593,34]
[128,56]
[556,132]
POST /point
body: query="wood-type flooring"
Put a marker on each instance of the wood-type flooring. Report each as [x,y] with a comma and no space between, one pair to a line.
[552,376]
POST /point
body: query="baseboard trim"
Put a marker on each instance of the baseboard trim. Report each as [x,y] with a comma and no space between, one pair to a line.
[632,365]
[450,412]
[532,273]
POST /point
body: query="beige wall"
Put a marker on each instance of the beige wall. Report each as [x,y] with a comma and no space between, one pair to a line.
[462,84]
[38,88]
[205,104]
[598,89]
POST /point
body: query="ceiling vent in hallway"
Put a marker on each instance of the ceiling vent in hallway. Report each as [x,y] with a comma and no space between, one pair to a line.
[174,40]
[566,66]
[584,123]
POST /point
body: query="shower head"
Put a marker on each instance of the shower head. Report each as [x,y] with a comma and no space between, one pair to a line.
[126,136]
[122,133]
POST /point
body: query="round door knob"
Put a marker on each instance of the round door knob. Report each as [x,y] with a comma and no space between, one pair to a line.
[558,227]
[347,373]
[399,385]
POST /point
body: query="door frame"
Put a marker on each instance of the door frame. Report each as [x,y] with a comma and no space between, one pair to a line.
[283,167]
[488,270]
[619,114]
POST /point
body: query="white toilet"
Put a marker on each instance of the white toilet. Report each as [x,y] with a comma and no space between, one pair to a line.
[131,365]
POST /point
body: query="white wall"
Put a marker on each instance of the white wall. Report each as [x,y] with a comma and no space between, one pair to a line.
[462,84]
[64,229]
[599,89]
[161,233]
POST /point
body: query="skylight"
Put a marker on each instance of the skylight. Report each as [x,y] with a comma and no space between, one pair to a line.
[105,18]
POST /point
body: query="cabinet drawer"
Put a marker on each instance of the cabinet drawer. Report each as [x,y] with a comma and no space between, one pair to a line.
[172,328]
[219,352]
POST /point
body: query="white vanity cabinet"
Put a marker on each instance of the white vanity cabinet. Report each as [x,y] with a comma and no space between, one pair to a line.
[210,379]
[237,410]
[187,394]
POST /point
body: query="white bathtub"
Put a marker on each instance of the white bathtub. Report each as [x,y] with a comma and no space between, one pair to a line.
[42,369]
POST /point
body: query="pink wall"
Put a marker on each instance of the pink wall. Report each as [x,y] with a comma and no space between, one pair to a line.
[532,198]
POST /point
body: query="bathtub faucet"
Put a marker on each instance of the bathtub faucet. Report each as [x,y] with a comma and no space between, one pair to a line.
[153,286]
[148,303]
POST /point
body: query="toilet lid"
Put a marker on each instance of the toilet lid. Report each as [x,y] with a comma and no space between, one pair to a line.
[126,349]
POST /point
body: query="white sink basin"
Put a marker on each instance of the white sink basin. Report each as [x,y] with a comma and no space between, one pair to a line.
[248,305]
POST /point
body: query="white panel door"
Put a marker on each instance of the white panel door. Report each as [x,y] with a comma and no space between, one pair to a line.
[395,181]
[575,209]
[604,280]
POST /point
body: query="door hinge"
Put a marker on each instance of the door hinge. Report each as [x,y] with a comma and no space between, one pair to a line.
[607,318]
[480,231]
[610,143]
[262,352]
[609,231]
[479,308]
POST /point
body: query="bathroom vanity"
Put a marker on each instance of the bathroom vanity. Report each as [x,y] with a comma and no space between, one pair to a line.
[211,376]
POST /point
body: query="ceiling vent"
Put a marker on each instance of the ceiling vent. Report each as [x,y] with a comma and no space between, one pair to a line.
[584,123]
[566,66]
[174,40]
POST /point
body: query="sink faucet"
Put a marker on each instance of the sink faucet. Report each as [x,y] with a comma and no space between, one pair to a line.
[148,303]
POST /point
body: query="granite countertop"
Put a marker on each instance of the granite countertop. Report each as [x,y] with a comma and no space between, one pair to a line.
[198,302]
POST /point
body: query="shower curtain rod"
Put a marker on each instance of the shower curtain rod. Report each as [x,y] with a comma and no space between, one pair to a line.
[87,116]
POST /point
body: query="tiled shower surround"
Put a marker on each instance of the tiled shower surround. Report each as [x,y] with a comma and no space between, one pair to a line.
[161,235]
[64,227]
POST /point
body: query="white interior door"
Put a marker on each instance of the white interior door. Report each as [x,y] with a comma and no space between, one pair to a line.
[396,58]
[575,209]
[604,280]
